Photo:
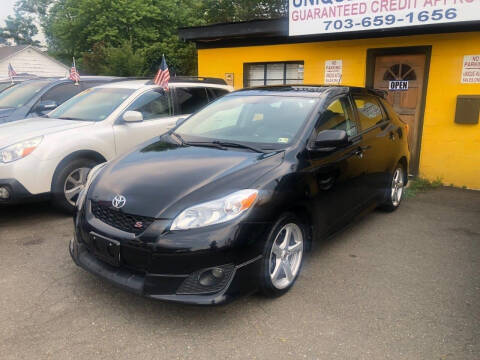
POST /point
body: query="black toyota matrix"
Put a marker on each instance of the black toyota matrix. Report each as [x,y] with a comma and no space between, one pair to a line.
[228,202]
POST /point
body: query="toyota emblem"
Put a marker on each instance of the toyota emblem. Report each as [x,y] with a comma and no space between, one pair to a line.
[119,201]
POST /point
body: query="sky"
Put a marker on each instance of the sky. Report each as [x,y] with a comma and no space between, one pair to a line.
[6,9]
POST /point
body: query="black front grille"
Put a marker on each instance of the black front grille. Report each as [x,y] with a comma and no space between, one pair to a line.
[129,223]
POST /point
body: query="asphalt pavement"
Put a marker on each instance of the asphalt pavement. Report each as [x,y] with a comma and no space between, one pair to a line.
[404,285]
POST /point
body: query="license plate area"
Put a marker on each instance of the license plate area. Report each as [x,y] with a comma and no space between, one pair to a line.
[105,249]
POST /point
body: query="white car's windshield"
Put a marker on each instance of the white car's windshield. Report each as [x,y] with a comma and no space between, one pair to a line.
[268,120]
[20,94]
[92,105]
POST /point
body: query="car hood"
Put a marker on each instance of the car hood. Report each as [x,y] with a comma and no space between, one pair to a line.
[162,179]
[11,133]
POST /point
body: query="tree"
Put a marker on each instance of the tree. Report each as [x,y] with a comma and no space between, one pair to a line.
[130,36]
[218,11]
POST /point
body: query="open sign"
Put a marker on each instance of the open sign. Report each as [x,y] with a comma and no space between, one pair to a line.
[400,85]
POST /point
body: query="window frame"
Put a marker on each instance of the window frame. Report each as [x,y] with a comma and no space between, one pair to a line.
[350,111]
[131,101]
[246,80]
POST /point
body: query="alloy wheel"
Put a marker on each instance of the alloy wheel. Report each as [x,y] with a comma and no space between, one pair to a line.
[74,184]
[397,187]
[286,256]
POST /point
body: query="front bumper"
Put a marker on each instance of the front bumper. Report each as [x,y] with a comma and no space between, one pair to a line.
[242,280]
[165,265]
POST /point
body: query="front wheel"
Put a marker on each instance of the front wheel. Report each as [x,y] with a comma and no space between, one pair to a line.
[283,256]
[394,195]
[69,181]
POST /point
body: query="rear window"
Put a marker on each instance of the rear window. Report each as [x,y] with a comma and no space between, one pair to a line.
[217,93]
[191,99]
[369,111]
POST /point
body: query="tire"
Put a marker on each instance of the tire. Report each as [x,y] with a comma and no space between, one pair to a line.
[275,278]
[394,194]
[75,172]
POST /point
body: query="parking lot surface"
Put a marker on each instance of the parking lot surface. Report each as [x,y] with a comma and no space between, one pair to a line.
[404,285]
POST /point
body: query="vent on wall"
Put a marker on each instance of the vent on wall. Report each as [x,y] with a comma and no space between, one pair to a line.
[468,109]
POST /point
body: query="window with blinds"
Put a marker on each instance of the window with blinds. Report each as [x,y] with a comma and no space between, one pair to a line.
[260,74]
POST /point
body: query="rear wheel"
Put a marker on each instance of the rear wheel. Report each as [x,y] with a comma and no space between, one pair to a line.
[283,256]
[69,181]
[394,195]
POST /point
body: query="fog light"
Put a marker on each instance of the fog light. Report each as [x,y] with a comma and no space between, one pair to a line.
[4,193]
[211,277]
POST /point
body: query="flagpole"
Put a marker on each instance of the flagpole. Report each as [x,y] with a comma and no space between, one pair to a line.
[75,66]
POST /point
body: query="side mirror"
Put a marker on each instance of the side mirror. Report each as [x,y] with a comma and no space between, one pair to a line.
[133,116]
[180,121]
[328,139]
[45,106]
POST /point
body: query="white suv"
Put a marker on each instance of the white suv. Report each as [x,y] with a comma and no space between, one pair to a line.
[52,155]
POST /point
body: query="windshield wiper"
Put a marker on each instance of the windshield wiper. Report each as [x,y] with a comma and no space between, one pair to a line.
[239,145]
[205,144]
[70,118]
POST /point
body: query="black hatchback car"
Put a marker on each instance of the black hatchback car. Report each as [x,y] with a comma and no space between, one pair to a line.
[228,202]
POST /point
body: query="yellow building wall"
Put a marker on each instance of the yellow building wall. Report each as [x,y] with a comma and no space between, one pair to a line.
[449,152]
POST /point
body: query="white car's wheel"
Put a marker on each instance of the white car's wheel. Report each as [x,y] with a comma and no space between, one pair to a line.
[69,181]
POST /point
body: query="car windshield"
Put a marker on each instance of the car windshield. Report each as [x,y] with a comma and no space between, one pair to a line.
[20,94]
[273,121]
[94,104]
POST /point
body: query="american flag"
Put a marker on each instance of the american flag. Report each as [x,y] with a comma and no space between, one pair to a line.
[74,75]
[163,75]
[11,71]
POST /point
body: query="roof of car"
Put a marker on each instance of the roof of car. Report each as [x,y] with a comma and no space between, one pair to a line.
[56,80]
[304,90]
[147,83]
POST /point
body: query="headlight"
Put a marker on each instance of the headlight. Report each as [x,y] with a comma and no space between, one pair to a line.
[19,150]
[91,176]
[215,212]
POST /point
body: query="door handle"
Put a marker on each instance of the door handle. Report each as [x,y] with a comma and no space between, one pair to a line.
[359,153]
[392,136]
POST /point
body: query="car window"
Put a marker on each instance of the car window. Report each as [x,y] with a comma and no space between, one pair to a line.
[338,116]
[369,111]
[92,105]
[216,93]
[256,119]
[192,99]
[21,94]
[61,93]
[153,104]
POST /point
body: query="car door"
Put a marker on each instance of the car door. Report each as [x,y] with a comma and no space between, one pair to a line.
[376,131]
[337,177]
[54,97]
[158,117]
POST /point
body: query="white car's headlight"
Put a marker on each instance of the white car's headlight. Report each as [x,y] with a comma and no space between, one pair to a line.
[19,150]
[215,212]
[91,176]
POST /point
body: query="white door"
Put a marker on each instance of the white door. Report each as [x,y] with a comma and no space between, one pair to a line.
[156,109]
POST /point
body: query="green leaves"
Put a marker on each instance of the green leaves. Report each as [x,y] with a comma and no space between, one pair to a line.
[128,37]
